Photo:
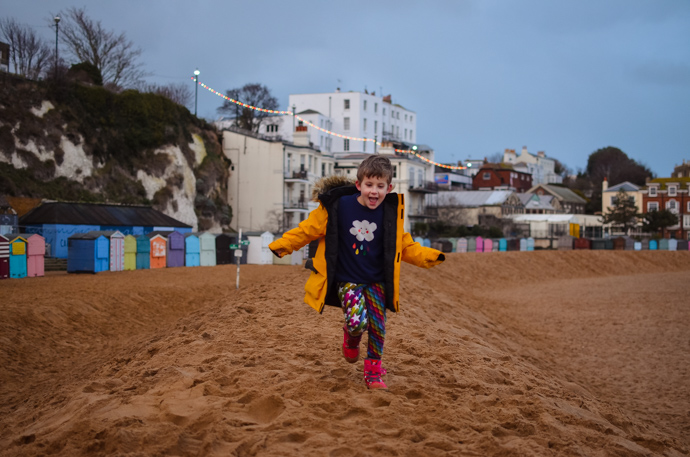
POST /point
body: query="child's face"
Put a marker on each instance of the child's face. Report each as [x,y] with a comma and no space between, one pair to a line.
[373,191]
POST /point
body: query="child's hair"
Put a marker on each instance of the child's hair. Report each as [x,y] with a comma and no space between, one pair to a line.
[375,166]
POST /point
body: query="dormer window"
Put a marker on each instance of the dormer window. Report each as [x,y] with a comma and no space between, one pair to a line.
[672,190]
[652,191]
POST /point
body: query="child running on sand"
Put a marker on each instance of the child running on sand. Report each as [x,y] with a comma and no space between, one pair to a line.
[357,262]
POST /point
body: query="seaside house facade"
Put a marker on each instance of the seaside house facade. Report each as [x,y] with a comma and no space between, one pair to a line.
[671,194]
[271,181]
[541,167]
[570,202]
[501,176]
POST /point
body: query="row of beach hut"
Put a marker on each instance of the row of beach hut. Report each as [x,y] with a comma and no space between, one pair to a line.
[479,244]
[97,251]
[22,255]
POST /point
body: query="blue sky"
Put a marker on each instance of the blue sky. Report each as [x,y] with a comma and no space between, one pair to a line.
[564,77]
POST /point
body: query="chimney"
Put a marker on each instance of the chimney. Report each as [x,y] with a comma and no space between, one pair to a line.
[386,148]
[301,136]
[605,184]
[388,98]
[540,153]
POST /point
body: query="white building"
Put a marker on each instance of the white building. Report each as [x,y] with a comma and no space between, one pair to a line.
[271,181]
[354,114]
[541,168]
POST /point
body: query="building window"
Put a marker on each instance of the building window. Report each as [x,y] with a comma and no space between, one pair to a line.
[365,105]
[672,206]
[688,207]
[346,103]
[652,206]
[486,176]
[383,127]
[652,191]
[411,137]
[346,123]
[376,108]
[365,124]
[395,174]
[410,118]
[376,126]
[686,221]
[346,145]
[671,191]
[405,133]
[384,111]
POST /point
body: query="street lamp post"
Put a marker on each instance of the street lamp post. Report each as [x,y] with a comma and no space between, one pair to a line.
[196,88]
[57,21]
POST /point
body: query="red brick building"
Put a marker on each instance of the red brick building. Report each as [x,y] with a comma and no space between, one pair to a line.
[501,176]
[671,194]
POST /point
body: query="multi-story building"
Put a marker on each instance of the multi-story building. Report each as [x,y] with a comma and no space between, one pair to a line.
[357,115]
[271,181]
[501,176]
[541,167]
[671,194]
[570,202]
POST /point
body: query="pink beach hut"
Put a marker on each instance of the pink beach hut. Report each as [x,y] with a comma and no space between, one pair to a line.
[488,245]
[35,255]
[479,246]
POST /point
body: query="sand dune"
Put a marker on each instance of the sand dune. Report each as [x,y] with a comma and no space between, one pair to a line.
[582,353]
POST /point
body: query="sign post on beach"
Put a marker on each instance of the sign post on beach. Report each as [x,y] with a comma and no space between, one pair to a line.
[239,242]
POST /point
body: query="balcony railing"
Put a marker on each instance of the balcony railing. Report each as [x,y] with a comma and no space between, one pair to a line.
[297,174]
[296,204]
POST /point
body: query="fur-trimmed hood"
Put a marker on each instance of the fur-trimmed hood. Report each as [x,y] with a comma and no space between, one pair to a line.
[328,183]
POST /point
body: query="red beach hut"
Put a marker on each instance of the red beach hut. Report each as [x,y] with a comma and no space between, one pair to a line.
[4,257]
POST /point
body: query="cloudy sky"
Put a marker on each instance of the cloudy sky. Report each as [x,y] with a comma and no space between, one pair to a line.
[564,77]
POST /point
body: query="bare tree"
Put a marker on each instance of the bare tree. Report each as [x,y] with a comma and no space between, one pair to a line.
[251,94]
[114,55]
[179,93]
[29,54]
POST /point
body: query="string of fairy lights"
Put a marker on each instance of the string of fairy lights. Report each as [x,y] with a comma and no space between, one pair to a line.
[321,129]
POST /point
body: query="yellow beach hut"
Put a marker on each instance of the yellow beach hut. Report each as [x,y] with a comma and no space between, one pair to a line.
[130,252]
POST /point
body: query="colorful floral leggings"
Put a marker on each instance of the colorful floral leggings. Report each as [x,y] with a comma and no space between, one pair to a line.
[364,306]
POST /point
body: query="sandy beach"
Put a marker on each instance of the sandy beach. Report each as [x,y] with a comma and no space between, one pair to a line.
[580,353]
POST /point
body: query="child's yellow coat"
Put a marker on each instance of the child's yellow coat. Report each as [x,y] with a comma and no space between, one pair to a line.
[314,227]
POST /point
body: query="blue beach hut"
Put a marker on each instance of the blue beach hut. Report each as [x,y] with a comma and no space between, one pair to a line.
[192,251]
[143,252]
[88,253]
[17,256]
[502,245]
[653,245]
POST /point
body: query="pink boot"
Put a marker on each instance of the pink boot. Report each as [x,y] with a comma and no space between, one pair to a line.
[351,346]
[372,374]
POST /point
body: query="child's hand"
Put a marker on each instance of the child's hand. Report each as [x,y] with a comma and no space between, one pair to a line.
[280,252]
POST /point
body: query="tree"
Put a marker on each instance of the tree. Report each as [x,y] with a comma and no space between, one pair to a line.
[614,165]
[114,55]
[179,93]
[251,94]
[29,54]
[623,213]
[658,221]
